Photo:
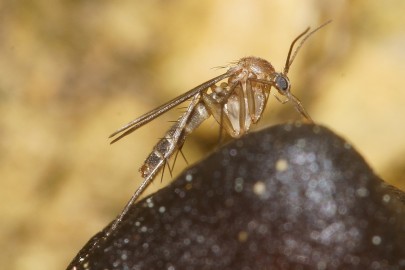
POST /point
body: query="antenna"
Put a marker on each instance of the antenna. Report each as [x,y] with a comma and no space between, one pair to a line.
[290,59]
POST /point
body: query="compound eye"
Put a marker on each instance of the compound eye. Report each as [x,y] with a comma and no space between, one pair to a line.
[282,83]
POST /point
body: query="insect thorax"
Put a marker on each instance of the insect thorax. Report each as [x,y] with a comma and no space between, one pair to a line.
[253,67]
[245,97]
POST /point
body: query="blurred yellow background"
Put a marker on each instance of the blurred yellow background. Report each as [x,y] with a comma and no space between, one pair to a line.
[72,72]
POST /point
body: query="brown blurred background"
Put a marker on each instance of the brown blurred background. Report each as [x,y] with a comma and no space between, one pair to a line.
[71,72]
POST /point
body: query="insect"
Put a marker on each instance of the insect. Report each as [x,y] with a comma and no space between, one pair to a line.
[236,104]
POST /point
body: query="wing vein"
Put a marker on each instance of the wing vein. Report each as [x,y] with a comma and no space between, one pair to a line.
[146,118]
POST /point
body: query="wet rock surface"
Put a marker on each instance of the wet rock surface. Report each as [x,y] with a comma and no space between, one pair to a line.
[288,197]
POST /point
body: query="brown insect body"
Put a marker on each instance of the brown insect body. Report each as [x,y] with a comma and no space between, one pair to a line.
[247,102]
[236,105]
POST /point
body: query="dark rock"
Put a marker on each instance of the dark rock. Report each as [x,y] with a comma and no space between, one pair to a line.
[288,197]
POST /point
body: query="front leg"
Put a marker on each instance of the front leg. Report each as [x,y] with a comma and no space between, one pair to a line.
[279,100]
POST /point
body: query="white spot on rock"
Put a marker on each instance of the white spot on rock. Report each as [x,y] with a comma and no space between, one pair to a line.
[281,165]
[259,188]
[376,240]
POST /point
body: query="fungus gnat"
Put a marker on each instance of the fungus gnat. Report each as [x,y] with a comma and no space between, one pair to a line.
[236,105]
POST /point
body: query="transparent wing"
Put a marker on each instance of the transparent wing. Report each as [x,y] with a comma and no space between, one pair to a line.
[147,117]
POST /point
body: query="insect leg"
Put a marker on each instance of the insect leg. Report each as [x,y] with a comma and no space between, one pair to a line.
[240,93]
[221,127]
[279,100]
[157,159]
[147,180]
[250,96]
[299,107]
[290,97]
[216,107]
[257,97]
